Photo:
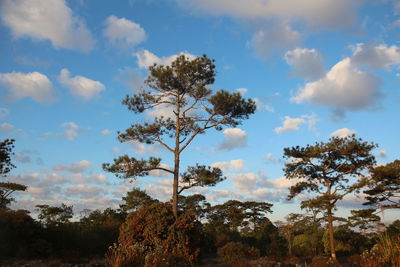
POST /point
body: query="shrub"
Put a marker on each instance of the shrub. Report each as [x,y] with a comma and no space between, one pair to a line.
[323,261]
[385,253]
[152,237]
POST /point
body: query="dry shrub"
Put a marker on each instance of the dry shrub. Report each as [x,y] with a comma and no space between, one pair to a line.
[386,253]
[324,261]
[152,237]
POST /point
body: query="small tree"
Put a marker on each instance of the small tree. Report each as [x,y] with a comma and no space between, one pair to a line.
[54,216]
[181,87]
[384,190]
[7,188]
[331,171]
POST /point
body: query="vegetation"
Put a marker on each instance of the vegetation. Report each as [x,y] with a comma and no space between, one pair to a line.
[189,230]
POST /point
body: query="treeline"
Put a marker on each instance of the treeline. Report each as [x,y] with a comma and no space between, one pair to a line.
[144,232]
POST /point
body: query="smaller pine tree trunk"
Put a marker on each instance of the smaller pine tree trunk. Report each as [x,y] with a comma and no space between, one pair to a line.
[331,238]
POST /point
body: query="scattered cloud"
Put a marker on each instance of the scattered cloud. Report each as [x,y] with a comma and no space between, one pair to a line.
[306,63]
[381,153]
[46,20]
[294,124]
[72,130]
[6,128]
[161,173]
[344,87]
[80,86]
[34,85]
[242,91]
[143,149]
[343,132]
[233,165]
[233,138]
[105,132]
[272,37]
[145,58]
[263,106]
[271,158]
[122,32]
[77,167]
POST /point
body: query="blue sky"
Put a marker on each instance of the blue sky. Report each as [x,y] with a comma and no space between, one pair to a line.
[316,69]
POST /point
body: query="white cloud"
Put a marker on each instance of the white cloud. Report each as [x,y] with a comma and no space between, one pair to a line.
[242,91]
[376,56]
[271,158]
[306,63]
[146,59]
[6,128]
[143,149]
[314,12]
[263,106]
[33,84]
[46,20]
[72,130]
[246,182]
[76,167]
[233,138]
[161,173]
[273,37]
[80,86]
[83,190]
[290,124]
[343,132]
[381,153]
[122,32]
[344,87]
[105,132]
[233,165]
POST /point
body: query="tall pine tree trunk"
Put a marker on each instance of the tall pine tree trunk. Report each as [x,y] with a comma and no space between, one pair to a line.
[176,160]
[330,230]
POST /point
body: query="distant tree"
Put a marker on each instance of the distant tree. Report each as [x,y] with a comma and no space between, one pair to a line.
[384,190]
[7,188]
[181,87]
[364,219]
[136,198]
[196,204]
[54,216]
[331,170]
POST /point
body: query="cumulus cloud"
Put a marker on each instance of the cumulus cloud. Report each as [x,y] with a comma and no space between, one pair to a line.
[233,138]
[233,165]
[273,37]
[83,190]
[376,56]
[306,63]
[105,132]
[76,167]
[72,130]
[80,86]
[344,87]
[46,20]
[122,32]
[381,153]
[294,124]
[143,149]
[145,58]
[343,132]
[34,85]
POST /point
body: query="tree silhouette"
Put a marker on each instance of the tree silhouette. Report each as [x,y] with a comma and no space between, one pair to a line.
[7,188]
[181,88]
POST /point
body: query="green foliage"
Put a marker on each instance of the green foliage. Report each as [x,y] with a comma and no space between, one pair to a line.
[201,175]
[195,204]
[393,229]
[7,188]
[385,186]
[364,219]
[236,253]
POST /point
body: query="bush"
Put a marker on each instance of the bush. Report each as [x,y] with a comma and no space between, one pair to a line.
[152,237]
[236,253]
[385,253]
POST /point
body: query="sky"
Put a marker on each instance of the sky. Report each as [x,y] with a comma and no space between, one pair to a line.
[316,69]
